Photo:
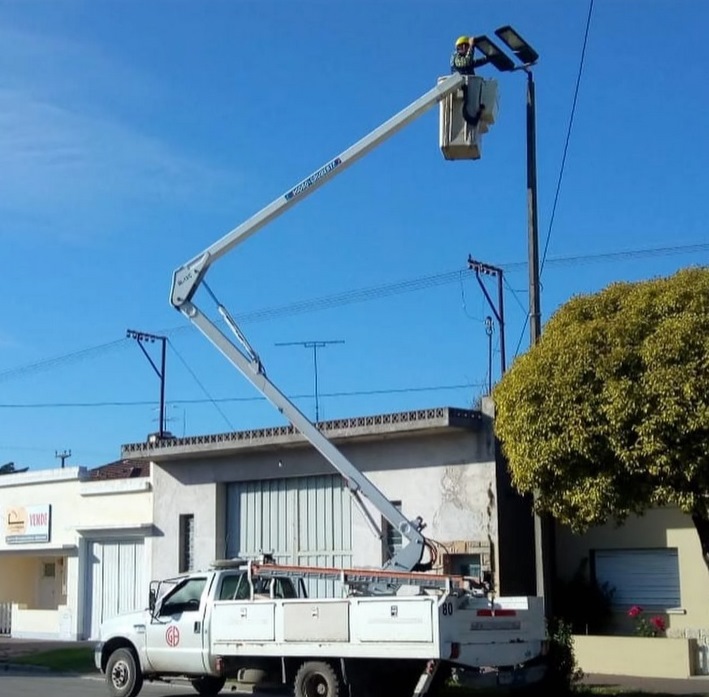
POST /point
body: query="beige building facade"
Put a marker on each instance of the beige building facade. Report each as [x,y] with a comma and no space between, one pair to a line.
[653,562]
[74,548]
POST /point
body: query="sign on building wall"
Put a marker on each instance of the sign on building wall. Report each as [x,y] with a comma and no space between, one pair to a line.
[27,524]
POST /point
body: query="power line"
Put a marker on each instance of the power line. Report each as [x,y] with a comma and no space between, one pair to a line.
[515,294]
[521,336]
[47,449]
[220,400]
[315,345]
[58,361]
[464,302]
[355,296]
[201,386]
[568,135]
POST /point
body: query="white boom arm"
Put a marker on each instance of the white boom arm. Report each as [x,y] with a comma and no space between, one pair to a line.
[187,279]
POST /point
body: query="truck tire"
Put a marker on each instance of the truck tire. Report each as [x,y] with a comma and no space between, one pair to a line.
[123,675]
[317,679]
[208,685]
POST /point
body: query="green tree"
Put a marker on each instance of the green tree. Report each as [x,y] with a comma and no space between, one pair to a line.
[608,415]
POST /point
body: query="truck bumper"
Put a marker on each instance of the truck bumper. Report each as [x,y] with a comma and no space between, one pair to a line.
[518,677]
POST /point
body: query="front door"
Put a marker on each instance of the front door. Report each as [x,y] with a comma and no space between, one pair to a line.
[174,635]
[47,590]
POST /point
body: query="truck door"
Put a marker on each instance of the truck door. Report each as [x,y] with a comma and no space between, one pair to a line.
[175,635]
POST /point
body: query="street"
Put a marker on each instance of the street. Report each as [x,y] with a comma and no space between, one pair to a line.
[56,685]
[36,684]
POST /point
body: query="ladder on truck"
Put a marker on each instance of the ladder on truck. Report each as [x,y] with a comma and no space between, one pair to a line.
[366,577]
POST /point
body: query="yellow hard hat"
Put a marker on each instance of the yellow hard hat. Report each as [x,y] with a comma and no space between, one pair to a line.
[462,40]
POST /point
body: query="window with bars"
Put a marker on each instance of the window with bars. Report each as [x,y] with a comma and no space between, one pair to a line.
[186,556]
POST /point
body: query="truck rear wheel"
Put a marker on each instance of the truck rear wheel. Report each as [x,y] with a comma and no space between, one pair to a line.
[123,674]
[317,679]
[208,685]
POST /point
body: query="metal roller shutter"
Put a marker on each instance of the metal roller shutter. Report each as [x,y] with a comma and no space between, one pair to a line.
[645,577]
[302,520]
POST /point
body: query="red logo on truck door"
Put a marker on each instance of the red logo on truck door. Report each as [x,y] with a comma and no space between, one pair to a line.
[172,635]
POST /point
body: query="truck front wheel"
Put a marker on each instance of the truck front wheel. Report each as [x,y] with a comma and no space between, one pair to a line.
[123,674]
[317,679]
[208,685]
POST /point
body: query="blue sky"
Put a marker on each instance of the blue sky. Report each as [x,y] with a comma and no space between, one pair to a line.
[135,134]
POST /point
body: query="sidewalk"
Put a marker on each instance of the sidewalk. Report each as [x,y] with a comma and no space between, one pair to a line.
[696,685]
[14,648]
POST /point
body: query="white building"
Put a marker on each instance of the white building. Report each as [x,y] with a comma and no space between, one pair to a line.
[238,494]
[74,548]
[78,546]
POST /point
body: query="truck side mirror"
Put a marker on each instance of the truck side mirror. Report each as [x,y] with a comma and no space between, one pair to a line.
[152,597]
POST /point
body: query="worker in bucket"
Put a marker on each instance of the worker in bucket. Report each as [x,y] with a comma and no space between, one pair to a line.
[462,60]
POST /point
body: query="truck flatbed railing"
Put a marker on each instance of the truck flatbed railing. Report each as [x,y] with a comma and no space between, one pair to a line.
[448,583]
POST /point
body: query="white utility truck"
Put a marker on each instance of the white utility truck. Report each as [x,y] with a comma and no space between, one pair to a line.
[394,631]
[249,619]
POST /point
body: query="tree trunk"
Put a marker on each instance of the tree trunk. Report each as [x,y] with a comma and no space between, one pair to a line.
[702,526]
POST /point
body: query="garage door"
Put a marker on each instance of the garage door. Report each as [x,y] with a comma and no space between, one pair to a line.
[301,520]
[115,581]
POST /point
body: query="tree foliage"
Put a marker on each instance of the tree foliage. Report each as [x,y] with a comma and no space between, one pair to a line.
[608,415]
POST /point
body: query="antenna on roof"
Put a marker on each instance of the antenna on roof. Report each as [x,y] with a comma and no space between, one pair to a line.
[63,456]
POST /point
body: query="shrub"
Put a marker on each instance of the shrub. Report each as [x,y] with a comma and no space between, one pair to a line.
[583,603]
[562,670]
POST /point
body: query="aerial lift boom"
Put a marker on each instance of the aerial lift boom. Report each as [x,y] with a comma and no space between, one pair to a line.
[188,278]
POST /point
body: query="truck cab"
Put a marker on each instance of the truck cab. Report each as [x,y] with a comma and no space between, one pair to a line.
[171,637]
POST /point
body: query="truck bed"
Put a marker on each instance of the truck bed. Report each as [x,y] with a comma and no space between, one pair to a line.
[470,632]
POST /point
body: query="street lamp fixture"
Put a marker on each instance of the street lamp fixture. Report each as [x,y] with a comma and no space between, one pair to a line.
[524,52]
[493,53]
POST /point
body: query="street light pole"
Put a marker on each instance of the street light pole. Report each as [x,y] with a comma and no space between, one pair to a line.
[526,55]
[543,524]
[535,313]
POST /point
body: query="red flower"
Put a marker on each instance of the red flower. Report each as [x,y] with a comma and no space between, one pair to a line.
[658,623]
[634,611]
